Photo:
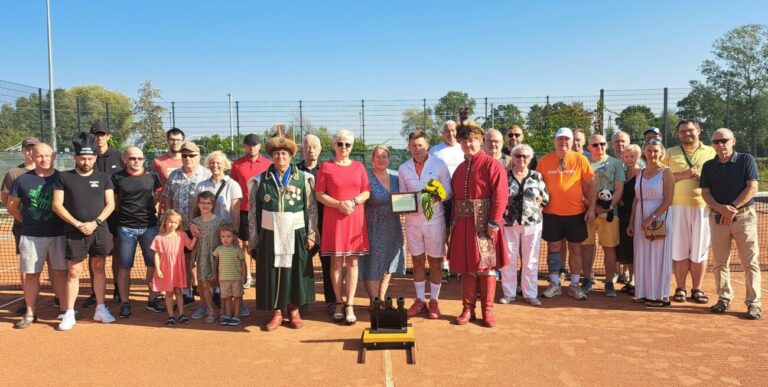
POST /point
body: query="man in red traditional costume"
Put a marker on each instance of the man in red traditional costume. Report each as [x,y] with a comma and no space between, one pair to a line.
[477,247]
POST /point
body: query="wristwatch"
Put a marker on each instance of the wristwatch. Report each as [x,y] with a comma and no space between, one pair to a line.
[99,222]
[354,200]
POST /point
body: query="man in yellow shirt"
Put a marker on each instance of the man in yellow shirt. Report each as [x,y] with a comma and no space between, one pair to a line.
[688,217]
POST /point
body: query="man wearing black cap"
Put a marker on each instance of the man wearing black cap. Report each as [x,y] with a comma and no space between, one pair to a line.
[84,198]
[243,169]
[110,161]
[27,147]
[652,132]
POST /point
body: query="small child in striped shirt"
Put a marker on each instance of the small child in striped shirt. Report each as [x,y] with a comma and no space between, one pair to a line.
[229,268]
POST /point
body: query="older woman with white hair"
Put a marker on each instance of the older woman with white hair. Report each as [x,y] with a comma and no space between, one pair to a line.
[227,192]
[342,187]
[522,226]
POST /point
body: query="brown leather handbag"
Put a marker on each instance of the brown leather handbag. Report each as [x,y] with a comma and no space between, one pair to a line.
[658,228]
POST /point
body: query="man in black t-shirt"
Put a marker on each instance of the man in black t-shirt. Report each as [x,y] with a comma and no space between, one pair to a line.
[84,198]
[41,238]
[136,206]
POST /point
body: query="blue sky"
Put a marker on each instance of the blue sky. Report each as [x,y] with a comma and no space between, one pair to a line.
[260,50]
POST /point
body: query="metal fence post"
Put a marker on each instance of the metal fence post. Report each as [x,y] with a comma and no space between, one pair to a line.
[106,105]
[301,119]
[493,116]
[362,118]
[40,103]
[486,108]
[77,101]
[665,116]
[424,101]
[237,116]
[601,110]
[173,114]
[546,115]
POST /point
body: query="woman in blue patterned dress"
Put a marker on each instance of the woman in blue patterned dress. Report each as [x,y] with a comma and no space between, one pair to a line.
[384,228]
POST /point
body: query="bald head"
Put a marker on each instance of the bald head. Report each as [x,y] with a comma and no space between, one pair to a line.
[723,133]
[493,142]
[133,158]
[43,156]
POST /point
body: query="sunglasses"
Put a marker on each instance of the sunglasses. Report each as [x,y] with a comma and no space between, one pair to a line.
[597,144]
[519,156]
[343,145]
[188,156]
[136,158]
[721,141]
[510,135]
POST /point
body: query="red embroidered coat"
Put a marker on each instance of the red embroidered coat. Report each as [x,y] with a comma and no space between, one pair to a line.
[480,194]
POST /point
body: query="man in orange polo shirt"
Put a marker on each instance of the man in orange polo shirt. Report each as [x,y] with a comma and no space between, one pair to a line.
[566,174]
[243,169]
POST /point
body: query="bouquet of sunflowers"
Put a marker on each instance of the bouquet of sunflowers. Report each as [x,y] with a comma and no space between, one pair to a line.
[434,192]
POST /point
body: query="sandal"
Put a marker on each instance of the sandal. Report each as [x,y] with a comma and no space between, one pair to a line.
[350,319]
[628,289]
[720,307]
[338,316]
[657,303]
[698,296]
[639,300]
[680,295]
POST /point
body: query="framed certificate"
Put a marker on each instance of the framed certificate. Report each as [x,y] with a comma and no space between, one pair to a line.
[405,202]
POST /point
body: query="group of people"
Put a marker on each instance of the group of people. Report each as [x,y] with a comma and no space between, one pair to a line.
[652,210]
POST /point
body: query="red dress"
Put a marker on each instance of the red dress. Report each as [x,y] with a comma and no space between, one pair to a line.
[343,235]
[480,194]
[172,263]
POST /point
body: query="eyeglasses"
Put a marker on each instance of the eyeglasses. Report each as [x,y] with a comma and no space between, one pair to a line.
[202,203]
[343,145]
[189,156]
[597,144]
[136,158]
[653,141]
[721,141]
[519,156]
[510,135]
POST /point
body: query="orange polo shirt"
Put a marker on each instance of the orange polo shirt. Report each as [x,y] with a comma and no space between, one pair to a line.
[564,182]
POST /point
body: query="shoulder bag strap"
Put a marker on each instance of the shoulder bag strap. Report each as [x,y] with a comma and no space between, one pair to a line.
[221,187]
[642,210]
[687,160]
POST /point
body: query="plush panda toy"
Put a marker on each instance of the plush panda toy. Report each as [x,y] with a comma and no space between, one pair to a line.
[604,198]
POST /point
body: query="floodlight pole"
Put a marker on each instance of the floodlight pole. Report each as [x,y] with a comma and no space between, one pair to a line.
[50,76]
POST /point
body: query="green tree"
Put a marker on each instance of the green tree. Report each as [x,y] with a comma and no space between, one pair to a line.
[738,73]
[149,124]
[503,116]
[635,119]
[447,107]
[420,119]
[543,121]
[93,107]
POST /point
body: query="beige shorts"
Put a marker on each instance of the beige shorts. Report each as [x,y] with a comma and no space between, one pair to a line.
[688,233]
[231,289]
[33,252]
[426,238]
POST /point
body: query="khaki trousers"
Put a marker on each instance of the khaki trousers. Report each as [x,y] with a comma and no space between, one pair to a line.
[743,230]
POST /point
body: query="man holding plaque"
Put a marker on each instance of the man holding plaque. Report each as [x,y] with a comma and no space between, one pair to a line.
[426,237]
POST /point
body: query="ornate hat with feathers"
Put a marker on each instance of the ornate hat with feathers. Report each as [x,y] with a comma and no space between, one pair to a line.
[280,142]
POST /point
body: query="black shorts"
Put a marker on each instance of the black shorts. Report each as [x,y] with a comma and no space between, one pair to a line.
[98,244]
[571,227]
[113,222]
[243,233]
[16,231]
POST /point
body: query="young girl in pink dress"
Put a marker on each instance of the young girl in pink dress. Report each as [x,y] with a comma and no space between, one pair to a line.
[170,267]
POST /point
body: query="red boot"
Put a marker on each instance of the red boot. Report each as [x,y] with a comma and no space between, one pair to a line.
[487,295]
[277,320]
[293,312]
[468,296]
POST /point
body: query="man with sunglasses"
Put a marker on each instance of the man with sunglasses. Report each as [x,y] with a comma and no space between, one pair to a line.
[569,177]
[728,186]
[135,204]
[515,136]
[179,194]
[609,175]
[688,216]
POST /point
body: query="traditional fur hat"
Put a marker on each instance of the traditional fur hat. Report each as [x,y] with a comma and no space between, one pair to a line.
[469,128]
[281,142]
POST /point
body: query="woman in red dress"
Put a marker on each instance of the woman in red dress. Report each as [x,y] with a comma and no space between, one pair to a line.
[480,194]
[342,187]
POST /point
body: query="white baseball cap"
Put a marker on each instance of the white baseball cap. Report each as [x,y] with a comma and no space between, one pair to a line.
[564,132]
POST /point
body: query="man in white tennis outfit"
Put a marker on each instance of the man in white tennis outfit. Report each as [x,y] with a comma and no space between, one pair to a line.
[425,238]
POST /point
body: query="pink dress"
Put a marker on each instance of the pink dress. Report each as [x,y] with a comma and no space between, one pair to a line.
[343,235]
[172,263]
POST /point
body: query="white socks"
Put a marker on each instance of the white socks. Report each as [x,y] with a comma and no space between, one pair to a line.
[575,278]
[434,290]
[554,279]
[419,285]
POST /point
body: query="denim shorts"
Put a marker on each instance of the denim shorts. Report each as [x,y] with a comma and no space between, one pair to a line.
[128,237]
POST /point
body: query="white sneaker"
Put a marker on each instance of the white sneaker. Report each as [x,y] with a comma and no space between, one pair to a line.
[248,283]
[576,292]
[533,301]
[506,300]
[67,322]
[552,290]
[102,314]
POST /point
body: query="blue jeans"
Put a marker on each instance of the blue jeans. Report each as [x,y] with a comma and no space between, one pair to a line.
[127,238]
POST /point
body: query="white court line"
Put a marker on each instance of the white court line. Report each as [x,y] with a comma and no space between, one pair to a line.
[744,283]
[11,302]
[388,381]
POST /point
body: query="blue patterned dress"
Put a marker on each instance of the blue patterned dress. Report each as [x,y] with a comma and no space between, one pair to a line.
[385,232]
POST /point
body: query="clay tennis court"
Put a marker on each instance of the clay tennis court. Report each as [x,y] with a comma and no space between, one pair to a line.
[565,342]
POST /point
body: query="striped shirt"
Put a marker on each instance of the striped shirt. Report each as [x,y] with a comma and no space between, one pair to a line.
[230,258]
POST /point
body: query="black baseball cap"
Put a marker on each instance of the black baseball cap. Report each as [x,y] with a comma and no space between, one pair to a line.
[99,127]
[251,139]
